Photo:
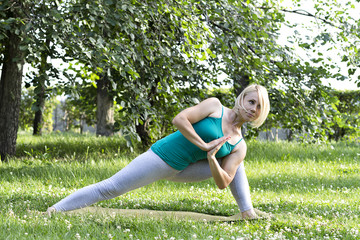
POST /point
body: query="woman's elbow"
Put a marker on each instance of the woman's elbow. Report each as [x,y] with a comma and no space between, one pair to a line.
[224,183]
[222,186]
[176,120]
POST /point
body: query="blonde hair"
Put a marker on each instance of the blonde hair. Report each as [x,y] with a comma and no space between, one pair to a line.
[263,100]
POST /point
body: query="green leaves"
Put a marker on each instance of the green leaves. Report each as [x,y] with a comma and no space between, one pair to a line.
[162,52]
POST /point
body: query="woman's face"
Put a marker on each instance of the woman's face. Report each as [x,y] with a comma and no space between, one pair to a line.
[252,106]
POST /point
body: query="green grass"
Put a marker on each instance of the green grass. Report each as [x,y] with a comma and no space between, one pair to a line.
[313,192]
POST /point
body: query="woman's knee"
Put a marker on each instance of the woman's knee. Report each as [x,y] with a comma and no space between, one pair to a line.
[107,189]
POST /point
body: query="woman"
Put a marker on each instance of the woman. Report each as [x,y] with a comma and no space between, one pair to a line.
[205,131]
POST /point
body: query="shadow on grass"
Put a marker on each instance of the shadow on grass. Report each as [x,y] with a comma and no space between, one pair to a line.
[54,174]
[57,146]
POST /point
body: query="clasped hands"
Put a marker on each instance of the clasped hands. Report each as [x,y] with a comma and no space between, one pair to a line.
[214,146]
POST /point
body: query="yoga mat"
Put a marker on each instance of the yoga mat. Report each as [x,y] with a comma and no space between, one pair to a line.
[156,214]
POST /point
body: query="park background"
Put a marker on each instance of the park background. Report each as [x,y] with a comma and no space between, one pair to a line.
[125,68]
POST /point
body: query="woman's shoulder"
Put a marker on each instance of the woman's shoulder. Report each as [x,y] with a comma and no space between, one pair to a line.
[213,100]
[241,147]
[214,105]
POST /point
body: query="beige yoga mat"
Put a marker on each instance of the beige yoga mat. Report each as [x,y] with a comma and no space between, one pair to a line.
[155,214]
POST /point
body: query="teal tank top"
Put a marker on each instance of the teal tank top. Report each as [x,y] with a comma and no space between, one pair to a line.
[179,152]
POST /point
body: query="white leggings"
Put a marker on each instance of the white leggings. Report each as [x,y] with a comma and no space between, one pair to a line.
[148,168]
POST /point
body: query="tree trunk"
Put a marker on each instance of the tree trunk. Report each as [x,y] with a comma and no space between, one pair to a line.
[290,135]
[143,132]
[241,81]
[56,118]
[105,111]
[143,129]
[10,95]
[40,105]
[81,123]
[40,92]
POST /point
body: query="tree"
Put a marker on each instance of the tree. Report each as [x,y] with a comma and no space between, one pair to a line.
[40,82]
[11,75]
[22,38]
[42,37]
[346,124]
[26,115]
[105,108]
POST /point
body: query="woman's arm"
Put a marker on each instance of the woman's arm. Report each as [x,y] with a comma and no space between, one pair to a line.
[224,174]
[184,120]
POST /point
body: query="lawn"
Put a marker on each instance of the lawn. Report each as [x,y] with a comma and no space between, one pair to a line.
[313,192]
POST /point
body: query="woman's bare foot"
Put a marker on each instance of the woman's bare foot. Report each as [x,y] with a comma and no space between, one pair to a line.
[255,214]
[249,214]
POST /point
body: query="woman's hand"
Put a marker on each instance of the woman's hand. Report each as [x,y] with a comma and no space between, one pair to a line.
[224,174]
[221,177]
[214,146]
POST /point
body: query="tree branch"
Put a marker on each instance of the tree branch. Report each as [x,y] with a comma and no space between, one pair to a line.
[304,13]
[307,14]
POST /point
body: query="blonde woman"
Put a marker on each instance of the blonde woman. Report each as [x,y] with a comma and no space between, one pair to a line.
[208,143]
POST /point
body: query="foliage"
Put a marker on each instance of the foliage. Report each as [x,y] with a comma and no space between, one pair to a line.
[59,146]
[306,105]
[161,55]
[346,120]
[145,54]
[27,110]
[81,107]
[26,114]
[241,40]
[36,22]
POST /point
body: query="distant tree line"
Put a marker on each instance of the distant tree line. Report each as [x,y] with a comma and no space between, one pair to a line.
[76,113]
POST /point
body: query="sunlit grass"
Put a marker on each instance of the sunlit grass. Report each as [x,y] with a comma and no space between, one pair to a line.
[313,192]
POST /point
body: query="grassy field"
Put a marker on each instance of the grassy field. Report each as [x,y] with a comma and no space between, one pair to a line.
[313,192]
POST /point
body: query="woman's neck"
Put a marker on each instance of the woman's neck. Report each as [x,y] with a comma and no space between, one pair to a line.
[235,119]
